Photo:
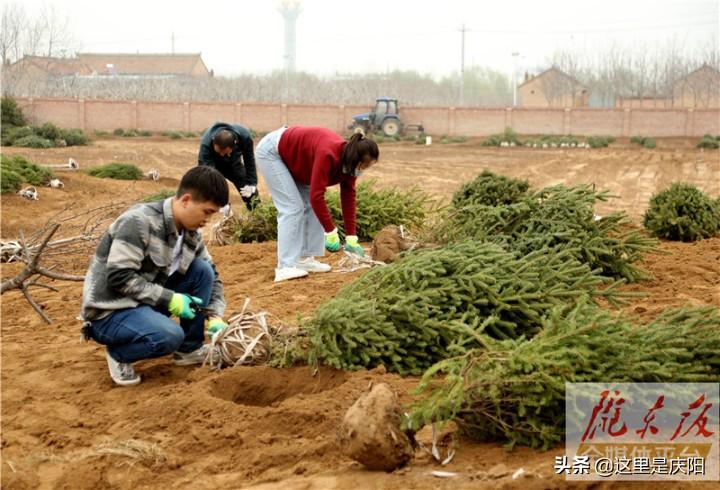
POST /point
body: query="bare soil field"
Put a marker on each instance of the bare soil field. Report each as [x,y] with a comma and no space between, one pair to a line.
[65,425]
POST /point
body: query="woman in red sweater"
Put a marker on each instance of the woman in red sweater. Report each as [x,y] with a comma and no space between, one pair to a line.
[298,164]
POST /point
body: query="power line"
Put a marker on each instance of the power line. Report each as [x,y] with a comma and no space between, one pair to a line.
[581,31]
[423,34]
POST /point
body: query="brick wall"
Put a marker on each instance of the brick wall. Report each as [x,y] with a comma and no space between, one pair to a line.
[597,121]
[539,121]
[194,116]
[650,122]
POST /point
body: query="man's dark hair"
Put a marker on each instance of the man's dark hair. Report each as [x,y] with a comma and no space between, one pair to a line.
[357,150]
[204,184]
[224,139]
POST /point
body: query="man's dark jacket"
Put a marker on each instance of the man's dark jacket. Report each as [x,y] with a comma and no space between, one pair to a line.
[239,165]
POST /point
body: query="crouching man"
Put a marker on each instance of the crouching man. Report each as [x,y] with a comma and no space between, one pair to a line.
[151,264]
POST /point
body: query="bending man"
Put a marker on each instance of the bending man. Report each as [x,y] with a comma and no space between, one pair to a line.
[228,148]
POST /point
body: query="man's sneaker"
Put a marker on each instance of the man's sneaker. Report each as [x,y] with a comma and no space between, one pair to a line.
[311,265]
[195,357]
[286,273]
[122,373]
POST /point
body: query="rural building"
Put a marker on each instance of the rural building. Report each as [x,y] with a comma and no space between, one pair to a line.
[553,88]
[42,67]
[699,89]
[156,65]
[109,64]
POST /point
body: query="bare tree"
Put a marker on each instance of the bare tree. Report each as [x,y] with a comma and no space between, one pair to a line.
[58,37]
[648,72]
[617,72]
[13,19]
[484,86]
[46,34]
[32,39]
[639,74]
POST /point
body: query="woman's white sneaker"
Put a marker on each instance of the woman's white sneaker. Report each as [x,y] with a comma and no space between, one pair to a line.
[311,265]
[287,273]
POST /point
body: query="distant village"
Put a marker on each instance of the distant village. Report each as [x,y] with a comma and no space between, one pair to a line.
[699,88]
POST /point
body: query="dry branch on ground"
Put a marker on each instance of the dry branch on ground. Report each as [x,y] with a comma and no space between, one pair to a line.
[84,228]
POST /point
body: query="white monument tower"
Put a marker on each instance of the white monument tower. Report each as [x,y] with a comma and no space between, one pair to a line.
[290,9]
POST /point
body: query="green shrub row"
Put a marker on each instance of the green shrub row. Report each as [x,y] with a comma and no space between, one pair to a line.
[116,170]
[16,132]
[709,141]
[12,114]
[18,170]
[46,136]
[159,195]
[132,133]
[509,136]
[644,141]
[376,208]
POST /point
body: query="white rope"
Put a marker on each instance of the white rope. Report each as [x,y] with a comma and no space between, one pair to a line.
[246,340]
[10,251]
[352,262]
[434,450]
[70,165]
[220,231]
[29,193]
[153,174]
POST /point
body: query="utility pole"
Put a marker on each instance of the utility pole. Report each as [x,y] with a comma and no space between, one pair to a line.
[172,42]
[462,65]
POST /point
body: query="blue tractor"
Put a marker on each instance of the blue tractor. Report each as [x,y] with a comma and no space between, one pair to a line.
[384,118]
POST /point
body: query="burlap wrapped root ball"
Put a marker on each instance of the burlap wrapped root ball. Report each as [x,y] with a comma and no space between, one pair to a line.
[390,242]
[370,431]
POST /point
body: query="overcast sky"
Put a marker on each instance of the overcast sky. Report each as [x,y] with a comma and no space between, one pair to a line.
[243,36]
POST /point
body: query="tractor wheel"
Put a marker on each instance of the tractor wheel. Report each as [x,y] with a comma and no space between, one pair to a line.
[358,128]
[390,127]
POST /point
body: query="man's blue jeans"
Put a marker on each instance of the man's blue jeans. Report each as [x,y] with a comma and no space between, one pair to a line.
[145,332]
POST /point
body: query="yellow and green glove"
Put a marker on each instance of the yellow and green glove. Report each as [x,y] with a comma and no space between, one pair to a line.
[180,306]
[352,245]
[332,241]
[215,325]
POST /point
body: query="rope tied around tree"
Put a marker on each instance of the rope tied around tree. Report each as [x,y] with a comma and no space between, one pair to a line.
[247,339]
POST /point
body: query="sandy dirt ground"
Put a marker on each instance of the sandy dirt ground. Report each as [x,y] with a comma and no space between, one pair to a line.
[66,426]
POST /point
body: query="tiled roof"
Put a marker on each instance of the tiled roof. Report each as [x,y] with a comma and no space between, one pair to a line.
[143,64]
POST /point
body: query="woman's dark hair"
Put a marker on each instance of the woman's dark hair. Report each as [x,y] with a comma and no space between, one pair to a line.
[204,184]
[358,149]
[224,139]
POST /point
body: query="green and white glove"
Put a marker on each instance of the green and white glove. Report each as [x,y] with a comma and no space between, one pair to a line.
[332,241]
[352,245]
[180,306]
[215,325]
